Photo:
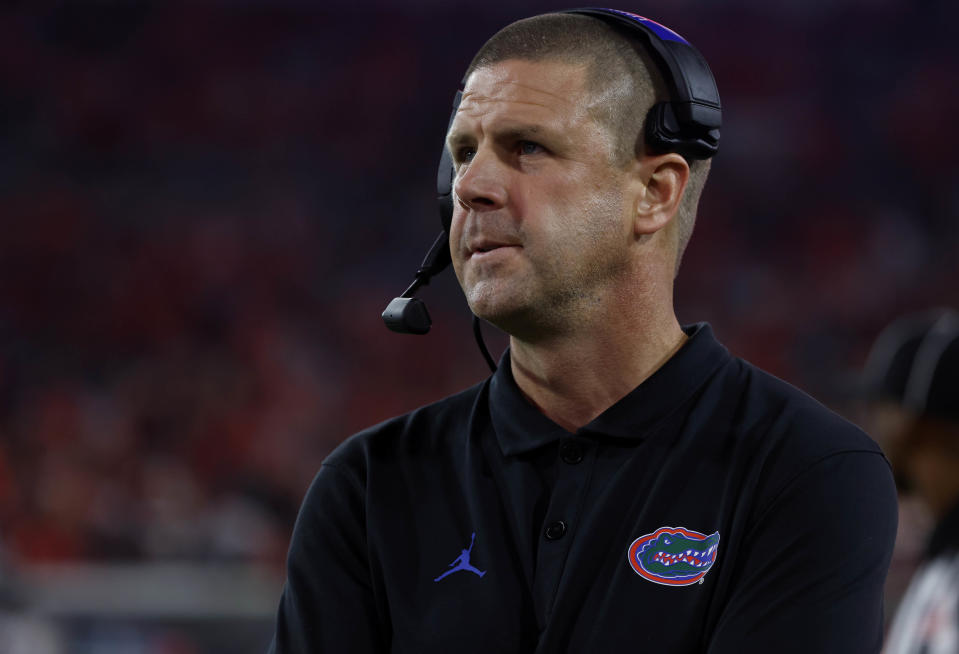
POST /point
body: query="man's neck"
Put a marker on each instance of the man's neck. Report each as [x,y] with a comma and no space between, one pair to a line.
[575,377]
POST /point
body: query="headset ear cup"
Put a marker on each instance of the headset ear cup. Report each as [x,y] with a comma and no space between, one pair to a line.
[662,128]
[664,133]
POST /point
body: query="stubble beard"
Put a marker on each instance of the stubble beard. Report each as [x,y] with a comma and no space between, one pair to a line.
[562,290]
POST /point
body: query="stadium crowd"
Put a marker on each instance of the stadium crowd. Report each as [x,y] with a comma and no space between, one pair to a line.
[205,208]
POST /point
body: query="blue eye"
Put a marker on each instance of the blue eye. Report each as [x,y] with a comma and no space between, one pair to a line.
[529,147]
[465,154]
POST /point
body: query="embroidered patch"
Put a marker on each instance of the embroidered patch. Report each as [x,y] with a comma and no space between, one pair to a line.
[462,562]
[673,556]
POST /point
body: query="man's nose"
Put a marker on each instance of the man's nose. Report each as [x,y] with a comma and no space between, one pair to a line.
[480,185]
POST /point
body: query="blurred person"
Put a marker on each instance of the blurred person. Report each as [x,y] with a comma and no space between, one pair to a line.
[886,374]
[620,481]
[925,457]
[886,416]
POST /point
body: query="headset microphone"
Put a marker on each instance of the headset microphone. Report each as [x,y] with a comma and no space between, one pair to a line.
[407,314]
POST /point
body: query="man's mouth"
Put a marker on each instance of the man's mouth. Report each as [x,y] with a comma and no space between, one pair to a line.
[484,246]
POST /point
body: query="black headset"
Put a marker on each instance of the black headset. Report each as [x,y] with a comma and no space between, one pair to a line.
[688,124]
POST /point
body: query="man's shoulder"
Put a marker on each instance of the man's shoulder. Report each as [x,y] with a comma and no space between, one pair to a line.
[775,410]
[430,427]
[796,449]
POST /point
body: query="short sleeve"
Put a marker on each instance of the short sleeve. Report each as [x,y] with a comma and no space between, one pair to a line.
[328,604]
[809,576]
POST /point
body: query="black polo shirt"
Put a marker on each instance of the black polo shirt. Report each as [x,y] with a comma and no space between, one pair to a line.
[713,509]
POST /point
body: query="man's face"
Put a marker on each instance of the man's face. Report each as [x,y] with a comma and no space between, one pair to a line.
[540,229]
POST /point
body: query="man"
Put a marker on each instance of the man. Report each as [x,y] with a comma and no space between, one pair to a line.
[925,455]
[888,417]
[886,376]
[622,483]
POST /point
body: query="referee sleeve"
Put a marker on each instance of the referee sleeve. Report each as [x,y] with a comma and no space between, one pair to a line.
[328,604]
[810,574]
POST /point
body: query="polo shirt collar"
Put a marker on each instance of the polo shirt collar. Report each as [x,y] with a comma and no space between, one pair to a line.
[521,427]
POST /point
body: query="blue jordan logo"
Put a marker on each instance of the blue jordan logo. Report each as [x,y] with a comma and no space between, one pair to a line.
[462,562]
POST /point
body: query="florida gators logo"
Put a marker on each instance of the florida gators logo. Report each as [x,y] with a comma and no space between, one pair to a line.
[673,556]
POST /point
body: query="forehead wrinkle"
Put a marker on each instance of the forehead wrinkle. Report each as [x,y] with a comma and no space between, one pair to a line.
[570,102]
[510,126]
[476,96]
[474,105]
[473,100]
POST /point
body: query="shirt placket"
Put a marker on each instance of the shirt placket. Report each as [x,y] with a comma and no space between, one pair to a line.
[576,458]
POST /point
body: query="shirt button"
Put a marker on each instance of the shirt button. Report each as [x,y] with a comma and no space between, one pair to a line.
[571,452]
[556,530]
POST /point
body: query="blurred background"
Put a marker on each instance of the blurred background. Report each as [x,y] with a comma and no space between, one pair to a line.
[205,206]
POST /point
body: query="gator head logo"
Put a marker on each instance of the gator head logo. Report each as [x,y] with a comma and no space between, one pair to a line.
[673,556]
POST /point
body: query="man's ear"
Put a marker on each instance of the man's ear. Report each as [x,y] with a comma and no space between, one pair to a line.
[664,178]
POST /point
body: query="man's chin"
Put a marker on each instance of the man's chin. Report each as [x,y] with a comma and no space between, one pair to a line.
[496,308]
[514,318]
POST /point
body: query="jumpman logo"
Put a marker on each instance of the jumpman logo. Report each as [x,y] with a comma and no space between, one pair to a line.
[462,562]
